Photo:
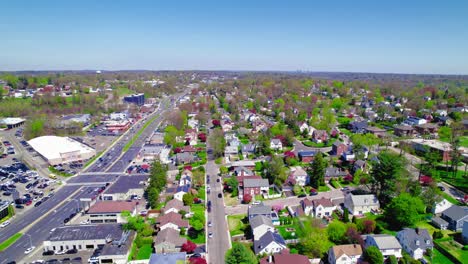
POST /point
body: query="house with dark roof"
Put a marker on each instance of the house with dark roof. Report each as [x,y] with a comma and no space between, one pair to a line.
[334,172]
[259,209]
[269,243]
[339,148]
[285,257]
[168,241]
[260,224]
[415,241]
[455,217]
[358,126]
[255,186]
[171,220]
[306,156]
[345,254]
[110,211]
[376,131]
[180,191]
[403,131]
[248,149]
[359,165]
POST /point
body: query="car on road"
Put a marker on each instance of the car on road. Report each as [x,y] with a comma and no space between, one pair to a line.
[208,190]
[29,250]
[256,203]
[210,234]
[37,204]
[217,180]
[19,206]
[302,195]
[210,224]
[66,220]
[220,195]
[7,193]
[2,225]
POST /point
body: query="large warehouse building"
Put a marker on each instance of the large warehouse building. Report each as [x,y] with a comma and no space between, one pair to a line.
[59,150]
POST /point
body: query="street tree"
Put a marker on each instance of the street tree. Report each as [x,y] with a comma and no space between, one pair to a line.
[239,254]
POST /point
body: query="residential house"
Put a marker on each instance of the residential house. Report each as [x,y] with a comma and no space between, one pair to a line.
[180,191]
[168,241]
[415,241]
[320,136]
[175,206]
[171,220]
[387,244]
[414,121]
[306,207]
[230,153]
[465,232]
[255,186]
[306,156]
[379,132]
[334,172]
[185,158]
[323,207]
[248,149]
[361,204]
[298,176]
[403,131]
[275,144]
[360,165]
[345,254]
[168,258]
[259,209]
[285,257]
[110,211]
[304,127]
[427,128]
[243,171]
[358,126]
[249,164]
[269,243]
[441,206]
[455,216]
[260,225]
[439,223]
[339,148]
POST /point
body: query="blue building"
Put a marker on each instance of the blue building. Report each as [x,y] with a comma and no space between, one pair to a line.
[138,99]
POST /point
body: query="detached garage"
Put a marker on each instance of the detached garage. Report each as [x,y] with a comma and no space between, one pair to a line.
[59,150]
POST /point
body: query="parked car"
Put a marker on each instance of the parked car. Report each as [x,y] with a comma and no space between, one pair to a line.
[19,206]
[2,225]
[48,253]
[29,250]
[71,251]
[302,195]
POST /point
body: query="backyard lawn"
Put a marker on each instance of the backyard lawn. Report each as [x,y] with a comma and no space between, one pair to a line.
[430,228]
[455,248]
[439,258]
[288,231]
[236,226]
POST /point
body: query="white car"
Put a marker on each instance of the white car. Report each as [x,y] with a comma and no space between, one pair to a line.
[2,225]
[61,252]
[210,235]
[29,250]
[85,222]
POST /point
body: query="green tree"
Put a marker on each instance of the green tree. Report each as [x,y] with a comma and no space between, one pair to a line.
[445,133]
[170,135]
[217,142]
[197,221]
[387,170]
[336,231]
[373,255]
[313,238]
[317,171]
[187,199]
[240,254]
[404,211]
[233,183]
[275,170]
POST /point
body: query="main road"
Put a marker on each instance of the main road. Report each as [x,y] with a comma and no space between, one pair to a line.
[221,241]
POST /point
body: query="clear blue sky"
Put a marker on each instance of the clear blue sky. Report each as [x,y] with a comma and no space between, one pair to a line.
[360,36]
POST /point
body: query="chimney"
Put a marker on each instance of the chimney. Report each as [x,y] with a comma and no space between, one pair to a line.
[270,259]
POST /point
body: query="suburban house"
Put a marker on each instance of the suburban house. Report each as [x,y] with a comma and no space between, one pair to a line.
[455,217]
[426,129]
[285,258]
[248,149]
[175,206]
[260,225]
[269,243]
[439,223]
[415,241]
[171,220]
[441,206]
[275,144]
[403,131]
[306,156]
[320,136]
[230,153]
[110,211]
[180,191]
[168,241]
[243,171]
[358,126]
[361,204]
[387,244]
[323,207]
[168,258]
[465,232]
[249,164]
[126,186]
[255,186]
[298,176]
[414,121]
[259,209]
[344,254]
[378,132]
[360,165]
[185,158]
[334,172]
[339,148]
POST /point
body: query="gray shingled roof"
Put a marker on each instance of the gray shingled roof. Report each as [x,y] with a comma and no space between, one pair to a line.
[384,241]
[259,220]
[266,240]
[412,238]
[456,212]
[252,183]
[259,210]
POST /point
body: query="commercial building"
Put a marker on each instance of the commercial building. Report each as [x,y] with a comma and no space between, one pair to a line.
[58,150]
[4,209]
[125,186]
[138,99]
[110,211]
[12,122]
[117,126]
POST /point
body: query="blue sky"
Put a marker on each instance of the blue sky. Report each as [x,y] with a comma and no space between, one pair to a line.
[358,36]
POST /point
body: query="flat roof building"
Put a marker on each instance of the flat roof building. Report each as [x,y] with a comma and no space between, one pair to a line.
[138,99]
[58,150]
[12,122]
[125,186]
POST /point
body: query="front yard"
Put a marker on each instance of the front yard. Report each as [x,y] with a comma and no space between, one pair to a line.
[237,224]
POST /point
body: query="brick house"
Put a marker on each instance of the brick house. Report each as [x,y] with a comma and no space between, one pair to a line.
[339,148]
[255,186]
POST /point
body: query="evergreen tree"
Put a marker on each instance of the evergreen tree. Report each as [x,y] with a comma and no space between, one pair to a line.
[239,254]
[317,171]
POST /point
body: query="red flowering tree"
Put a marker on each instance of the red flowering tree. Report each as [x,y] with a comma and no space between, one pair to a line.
[368,226]
[216,123]
[177,150]
[202,137]
[188,247]
[197,261]
[247,198]
[188,167]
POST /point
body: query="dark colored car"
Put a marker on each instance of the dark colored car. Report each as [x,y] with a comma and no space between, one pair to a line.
[48,253]
[220,195]
[302,195]
[217,180]
[19,206]
[66,220]
[71,251]
[37,204]
[7,193]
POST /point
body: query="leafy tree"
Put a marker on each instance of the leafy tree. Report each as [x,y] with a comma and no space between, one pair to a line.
[445,133]
[188,247]
[297,189]
[373,255]
[233,183]
[317,171]
[392,259]
[346,215]
[336,231]
[387,170]
[217,142]
[197,221]
[197,261]
[187,199]
[404,211]
[313,238]
[223,170]
[247,198]
[239,254]
[171,134]
[275,170]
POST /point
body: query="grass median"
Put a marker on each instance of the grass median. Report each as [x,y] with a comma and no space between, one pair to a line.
[5,244]
[138,134]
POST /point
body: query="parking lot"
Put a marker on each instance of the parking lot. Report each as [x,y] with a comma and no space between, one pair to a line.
[40,257]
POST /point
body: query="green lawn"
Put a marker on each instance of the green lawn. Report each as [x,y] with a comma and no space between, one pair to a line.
[346,132]
[454,248]
[459,181]
[197,208]
[439,258]
[286,234]
[430,228]
[138,134]
[464,141]
[5,244]
[323,188]
[312,144]
[145,252]
[121,91]
[200,239]
[201,193]
[236,226]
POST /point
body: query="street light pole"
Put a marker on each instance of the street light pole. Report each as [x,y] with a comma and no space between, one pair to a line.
[77,205]
[30,240]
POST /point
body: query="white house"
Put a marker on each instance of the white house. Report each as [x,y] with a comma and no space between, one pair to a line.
[323,207]
[361,204]
[415,241]
[441,206]
[298,176]
[269,243]
[307,206]
[344,254]
[180,191]
[260,225]
[275,144]
[387,244]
